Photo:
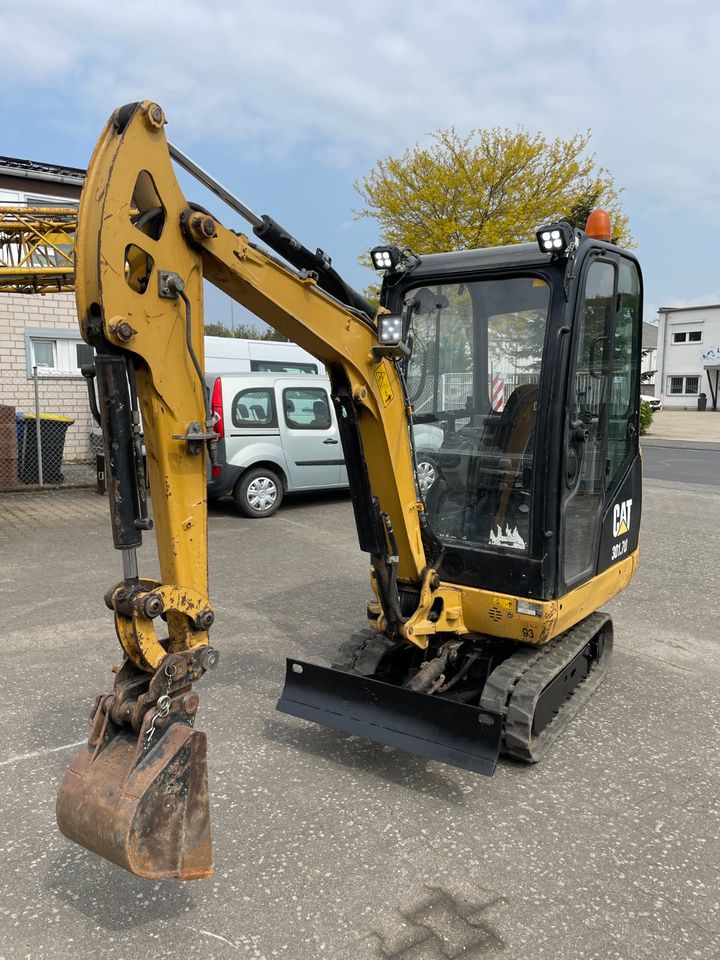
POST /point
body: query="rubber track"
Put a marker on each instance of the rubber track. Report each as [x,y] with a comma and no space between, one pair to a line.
[362,652]
[514,688]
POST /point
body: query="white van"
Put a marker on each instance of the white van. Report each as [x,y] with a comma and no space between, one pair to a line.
[236,355]
[278,435]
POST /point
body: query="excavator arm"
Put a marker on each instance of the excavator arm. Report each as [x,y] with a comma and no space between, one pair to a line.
[137,793]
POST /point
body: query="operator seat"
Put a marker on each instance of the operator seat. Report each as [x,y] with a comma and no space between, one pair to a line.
[497,462]
[516,436]
[518,419]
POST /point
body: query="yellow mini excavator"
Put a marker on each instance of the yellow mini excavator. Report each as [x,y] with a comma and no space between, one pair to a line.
[489,420]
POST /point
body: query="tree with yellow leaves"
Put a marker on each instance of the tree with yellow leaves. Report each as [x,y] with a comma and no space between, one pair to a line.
[489,188]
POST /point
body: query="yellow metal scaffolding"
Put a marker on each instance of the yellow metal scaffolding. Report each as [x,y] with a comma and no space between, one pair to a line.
[36,249]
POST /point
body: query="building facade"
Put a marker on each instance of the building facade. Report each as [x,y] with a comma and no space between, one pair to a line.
[688,360]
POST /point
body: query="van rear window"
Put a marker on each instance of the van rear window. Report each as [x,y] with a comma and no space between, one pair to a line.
[254,407]
[278,366]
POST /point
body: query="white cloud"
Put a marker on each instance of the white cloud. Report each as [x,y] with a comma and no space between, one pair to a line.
[350,83]
[704,301]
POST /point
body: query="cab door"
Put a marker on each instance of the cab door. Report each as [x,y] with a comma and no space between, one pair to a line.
[601,432]
[310,437]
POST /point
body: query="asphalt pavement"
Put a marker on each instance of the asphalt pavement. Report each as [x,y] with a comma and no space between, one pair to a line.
[329,846]
[676,462]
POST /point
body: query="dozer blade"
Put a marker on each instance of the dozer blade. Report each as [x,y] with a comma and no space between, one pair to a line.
[429,726]
[145,810]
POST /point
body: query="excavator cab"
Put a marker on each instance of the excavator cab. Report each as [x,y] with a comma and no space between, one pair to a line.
[537,394]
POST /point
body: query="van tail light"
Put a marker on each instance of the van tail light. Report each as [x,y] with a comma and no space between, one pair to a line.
[217,408]
[216,471]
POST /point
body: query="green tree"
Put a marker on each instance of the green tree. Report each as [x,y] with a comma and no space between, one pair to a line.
[646,417]
[647,376]
[244,331]
[217,330]
[489,188]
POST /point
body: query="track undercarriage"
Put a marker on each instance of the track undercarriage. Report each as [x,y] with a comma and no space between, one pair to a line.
[479,696]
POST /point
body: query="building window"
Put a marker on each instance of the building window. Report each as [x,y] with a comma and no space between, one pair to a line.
[687,336]
[695,336]
[44,354]
[84,353]
[684,386]
[60,356]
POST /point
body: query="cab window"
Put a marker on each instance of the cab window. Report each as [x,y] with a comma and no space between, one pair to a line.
[306,408]
[254,407]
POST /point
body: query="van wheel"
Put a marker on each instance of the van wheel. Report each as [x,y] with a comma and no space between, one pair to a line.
[258,493]
[426,472]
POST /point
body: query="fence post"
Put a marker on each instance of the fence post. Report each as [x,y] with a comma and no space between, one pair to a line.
[38,432]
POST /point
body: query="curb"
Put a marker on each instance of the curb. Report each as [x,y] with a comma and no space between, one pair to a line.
[680,443]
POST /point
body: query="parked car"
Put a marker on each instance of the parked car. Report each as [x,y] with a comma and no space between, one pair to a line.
[427,440]
[278,435]
[655,402]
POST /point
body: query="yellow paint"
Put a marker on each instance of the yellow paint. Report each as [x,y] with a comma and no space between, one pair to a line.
[556,617]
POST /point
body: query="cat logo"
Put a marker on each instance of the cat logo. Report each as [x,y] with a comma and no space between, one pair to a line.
[621,518]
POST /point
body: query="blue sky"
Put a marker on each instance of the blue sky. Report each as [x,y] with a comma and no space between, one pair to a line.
[288,104]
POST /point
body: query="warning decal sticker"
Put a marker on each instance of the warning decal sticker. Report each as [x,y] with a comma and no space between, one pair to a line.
[383,381]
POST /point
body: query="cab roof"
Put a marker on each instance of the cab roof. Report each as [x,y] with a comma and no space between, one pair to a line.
[486,258]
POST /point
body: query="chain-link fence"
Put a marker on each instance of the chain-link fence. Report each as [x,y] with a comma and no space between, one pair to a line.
[42,445]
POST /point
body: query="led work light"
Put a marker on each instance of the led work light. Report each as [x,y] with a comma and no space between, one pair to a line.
[385,258]
[390,329]
[555,238]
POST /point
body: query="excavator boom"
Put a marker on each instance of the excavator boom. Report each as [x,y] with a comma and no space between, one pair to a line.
[142,252]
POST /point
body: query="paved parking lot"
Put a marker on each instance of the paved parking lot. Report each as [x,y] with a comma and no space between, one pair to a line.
[328,846]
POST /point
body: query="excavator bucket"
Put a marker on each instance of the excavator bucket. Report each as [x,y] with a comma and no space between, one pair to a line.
[430,726]
[146,810]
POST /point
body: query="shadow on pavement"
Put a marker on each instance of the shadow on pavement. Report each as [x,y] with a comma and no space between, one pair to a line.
[112,898]
[293,501]
[331,745]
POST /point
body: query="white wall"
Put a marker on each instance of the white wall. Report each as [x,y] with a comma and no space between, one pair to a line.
[683,359]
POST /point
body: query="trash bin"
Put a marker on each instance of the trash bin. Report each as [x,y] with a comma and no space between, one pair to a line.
[53,427]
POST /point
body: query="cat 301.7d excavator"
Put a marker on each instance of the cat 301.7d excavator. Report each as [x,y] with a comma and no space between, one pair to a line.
[488,570]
